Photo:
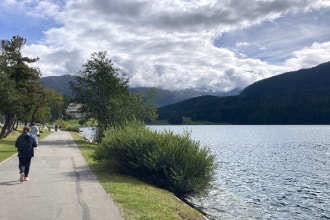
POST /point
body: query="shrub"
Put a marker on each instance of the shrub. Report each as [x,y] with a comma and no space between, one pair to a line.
[167,160]
[73,129]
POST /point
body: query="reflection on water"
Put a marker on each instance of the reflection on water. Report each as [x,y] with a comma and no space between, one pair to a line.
[266,172]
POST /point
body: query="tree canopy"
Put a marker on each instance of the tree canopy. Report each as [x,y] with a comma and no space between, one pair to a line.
[103,92]
[21,96]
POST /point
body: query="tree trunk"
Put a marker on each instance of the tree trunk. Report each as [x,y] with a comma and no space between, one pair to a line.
[8,127]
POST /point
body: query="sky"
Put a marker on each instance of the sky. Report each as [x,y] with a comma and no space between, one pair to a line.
[209,45]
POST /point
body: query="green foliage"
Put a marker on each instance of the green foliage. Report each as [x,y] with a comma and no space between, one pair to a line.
[7,146]
[136,200]
[174,162]
[21,96]
[304,108]
[103,92]
[73,129]
[175,119]
[45,105]
[71,125]
[100,89]
[18,82]
[82,121]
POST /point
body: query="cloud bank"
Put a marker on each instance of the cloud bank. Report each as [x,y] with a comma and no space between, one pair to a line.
[181,44]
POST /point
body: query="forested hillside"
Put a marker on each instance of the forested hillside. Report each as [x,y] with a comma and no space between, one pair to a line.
[300,97]
[58,83]
[313,80]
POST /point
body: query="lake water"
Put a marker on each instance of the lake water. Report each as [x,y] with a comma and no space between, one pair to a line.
[266,172]
[88,133]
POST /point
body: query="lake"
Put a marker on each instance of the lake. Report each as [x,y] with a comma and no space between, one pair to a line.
[266,172]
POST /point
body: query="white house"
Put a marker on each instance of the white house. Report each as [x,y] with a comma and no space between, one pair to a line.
[73,110]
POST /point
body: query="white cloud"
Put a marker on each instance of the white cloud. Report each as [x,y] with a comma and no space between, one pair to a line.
[242,44]
[44,9]
[170,44]
[310,56]
[39,8]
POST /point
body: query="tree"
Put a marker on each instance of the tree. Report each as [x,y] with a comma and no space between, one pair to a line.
[17,80]
[41,101]
[103,92]
[175,119]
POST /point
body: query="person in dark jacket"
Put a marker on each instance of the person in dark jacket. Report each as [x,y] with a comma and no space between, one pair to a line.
[25,144]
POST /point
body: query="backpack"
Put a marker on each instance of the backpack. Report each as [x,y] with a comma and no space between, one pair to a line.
[24,144]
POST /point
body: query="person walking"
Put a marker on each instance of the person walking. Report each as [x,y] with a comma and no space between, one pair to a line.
[34,131]
[25,144]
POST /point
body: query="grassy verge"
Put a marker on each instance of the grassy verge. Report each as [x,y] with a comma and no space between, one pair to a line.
[136,199]
[7,148]
[7,145]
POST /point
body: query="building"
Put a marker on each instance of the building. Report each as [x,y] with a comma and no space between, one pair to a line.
[73,110]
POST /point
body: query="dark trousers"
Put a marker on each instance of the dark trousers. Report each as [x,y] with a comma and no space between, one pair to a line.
[24,165]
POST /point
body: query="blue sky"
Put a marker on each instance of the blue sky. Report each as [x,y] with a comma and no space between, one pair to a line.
[174,44]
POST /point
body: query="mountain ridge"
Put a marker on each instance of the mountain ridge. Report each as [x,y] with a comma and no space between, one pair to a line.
[297,97]
[302,80]
[163,97]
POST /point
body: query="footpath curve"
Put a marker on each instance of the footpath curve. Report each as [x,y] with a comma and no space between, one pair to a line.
[61,186]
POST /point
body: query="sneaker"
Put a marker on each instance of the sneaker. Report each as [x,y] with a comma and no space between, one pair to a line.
[21,177]
[26,178]
[36,148]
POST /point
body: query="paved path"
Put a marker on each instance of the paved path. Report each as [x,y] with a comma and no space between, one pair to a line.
[62,186]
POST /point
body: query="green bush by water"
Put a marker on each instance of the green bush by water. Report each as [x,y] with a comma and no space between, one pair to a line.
[170,161]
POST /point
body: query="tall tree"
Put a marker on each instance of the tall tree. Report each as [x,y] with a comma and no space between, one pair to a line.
[17,80]
[103,92]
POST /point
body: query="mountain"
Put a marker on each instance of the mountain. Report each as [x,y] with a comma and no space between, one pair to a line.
[163,97]
[59,84]
[315,79]
[298,97]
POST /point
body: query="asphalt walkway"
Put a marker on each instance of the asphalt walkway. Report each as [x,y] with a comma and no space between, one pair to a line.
[61,186]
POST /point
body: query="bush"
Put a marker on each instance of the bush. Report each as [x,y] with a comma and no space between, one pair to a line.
[170,161]
[73,129]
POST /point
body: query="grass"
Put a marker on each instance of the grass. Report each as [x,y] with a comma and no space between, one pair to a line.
[137,200]
[7,145]
[75,123]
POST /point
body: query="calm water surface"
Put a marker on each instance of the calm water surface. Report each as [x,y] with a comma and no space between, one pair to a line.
[266,172]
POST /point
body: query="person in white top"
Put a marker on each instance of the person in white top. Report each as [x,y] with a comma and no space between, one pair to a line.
[34,131]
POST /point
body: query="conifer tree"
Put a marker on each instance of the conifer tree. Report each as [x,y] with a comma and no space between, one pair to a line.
[17,81]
